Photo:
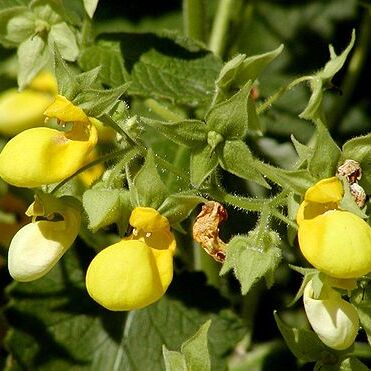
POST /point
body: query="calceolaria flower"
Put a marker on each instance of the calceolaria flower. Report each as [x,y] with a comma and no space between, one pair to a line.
[334,241]
[24,110]
[37,247]
[43,155]
[136,271]
[333,319]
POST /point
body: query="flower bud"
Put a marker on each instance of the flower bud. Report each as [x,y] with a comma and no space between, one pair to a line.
[37,247]
[333,319]
[136,271]
[334,241]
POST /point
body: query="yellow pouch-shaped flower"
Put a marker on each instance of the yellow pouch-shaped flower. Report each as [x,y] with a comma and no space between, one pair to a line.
[333,319]
[37,247]
[45,82]
[44,156]
[136,271]
[22,110]
[334,241]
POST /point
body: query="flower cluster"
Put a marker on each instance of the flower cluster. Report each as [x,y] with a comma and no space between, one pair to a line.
[338,244]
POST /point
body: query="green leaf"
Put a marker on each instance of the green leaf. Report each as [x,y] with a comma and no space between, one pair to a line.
[352,364]
[148,188]
[107,55]
[254,125]
[174,361]
[239,70]
[33,55]
[348,203]
[61,35]
[304,344]
[10,10]
[237,159]
[55,325]
[196,350]
[189,133]
[90,7]
[203,162]
[107,206]
[179,206]
[252,258]
[304,152]
[95,102]
[322,78]
[230,118]
[326,153]
[169,67]
[359,149]
[297,181]
[20,28]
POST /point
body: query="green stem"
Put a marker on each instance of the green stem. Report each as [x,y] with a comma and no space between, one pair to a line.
[279,93]
[194,19]
[356,65]
[220,26]
[109,156]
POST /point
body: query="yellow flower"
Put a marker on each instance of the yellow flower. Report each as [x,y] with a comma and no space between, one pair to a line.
[40,156]
[37,247]
[24,110]
[333,319]
[136,271]
[334,241]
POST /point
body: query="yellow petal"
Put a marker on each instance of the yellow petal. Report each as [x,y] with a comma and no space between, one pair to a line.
[64,110]
[333,319]
[125,276]
[22,110]
[324,191]
[44,82]
[148,219]
[44,156]
[337,243]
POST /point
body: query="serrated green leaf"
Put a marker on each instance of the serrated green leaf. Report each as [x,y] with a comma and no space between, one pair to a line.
[169,67]
[107,55]
[33,55]
[237,159]
[61,35]
[174,361]
[304,152]
[322,78]
[326,153]
[254,125]
[20,28]
[230,118]
[196,350]
[148,188]
[297,181]
[250,259]
[101,205]
[179,206]
[95,102]
[238,71]
[8,11]
[189,133]
[55,325]
[90,7]
[203,162]
[304,344]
